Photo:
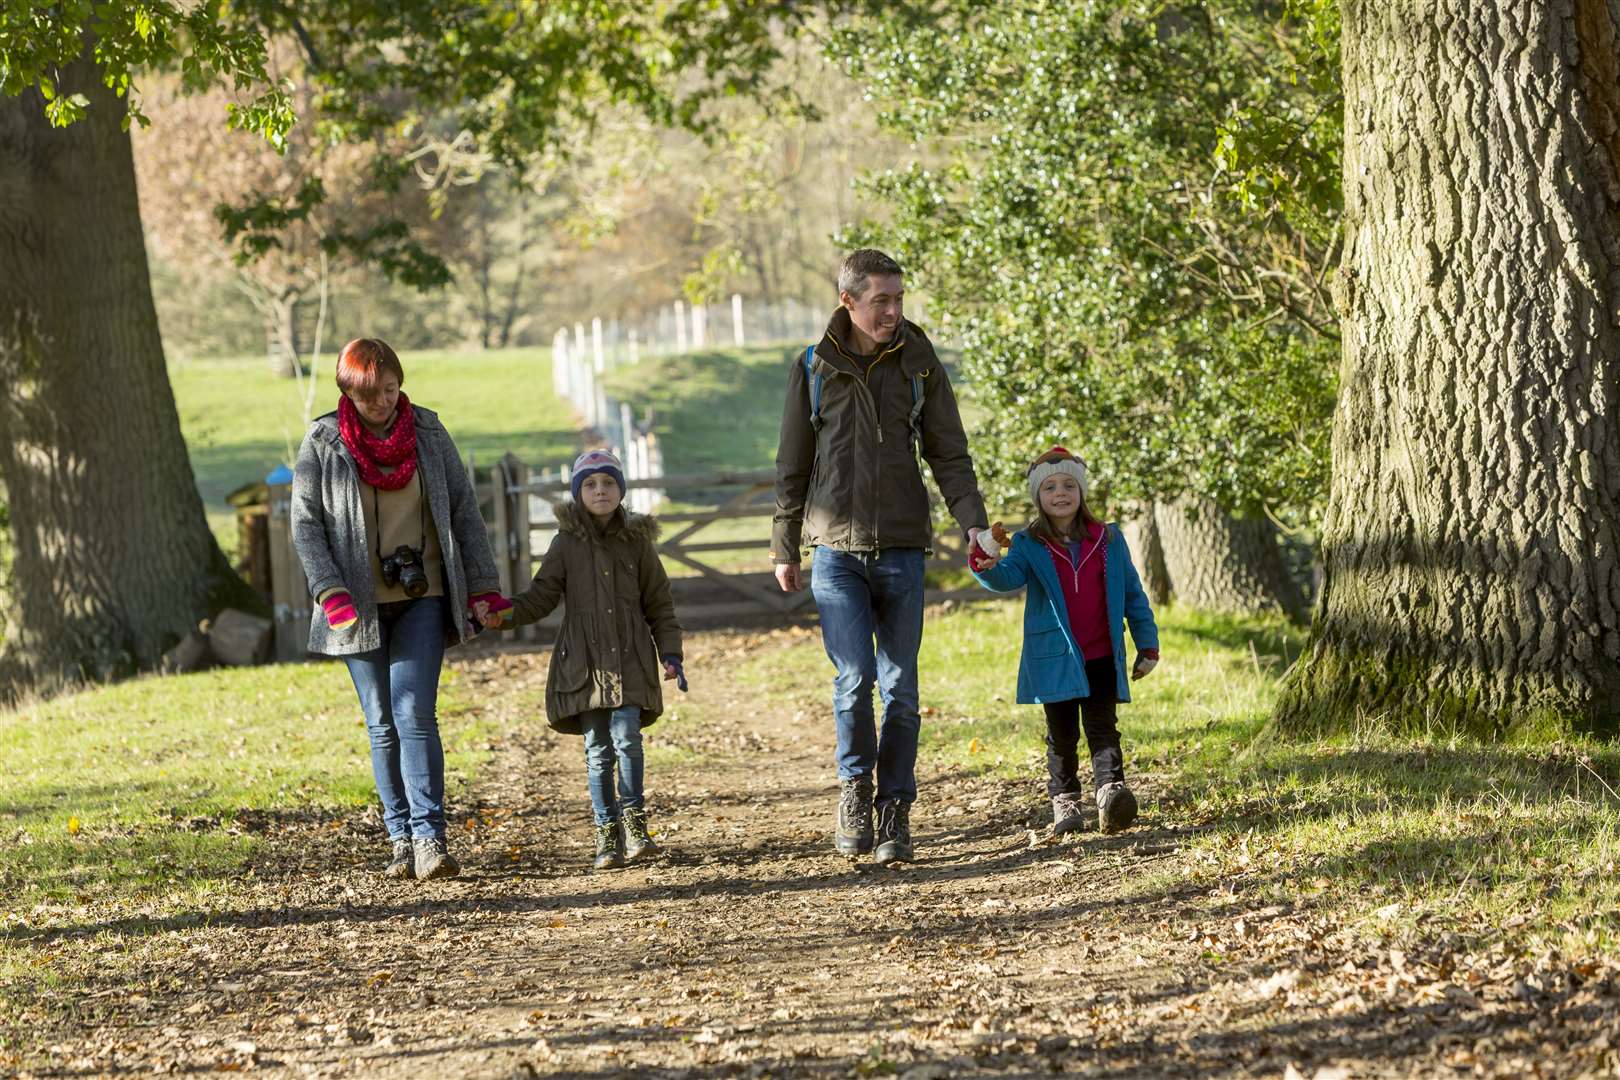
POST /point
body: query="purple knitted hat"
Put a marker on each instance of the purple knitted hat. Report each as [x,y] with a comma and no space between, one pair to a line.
[595,461]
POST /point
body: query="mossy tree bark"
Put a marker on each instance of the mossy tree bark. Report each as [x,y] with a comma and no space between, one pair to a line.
[1218,562]
[113,559]
[1141,531]
[1469,550]
[1193,552]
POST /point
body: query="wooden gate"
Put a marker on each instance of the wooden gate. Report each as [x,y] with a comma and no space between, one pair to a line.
[523,518]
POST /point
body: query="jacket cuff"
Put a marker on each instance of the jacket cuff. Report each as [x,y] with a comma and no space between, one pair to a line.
[1151,654]
[784,546]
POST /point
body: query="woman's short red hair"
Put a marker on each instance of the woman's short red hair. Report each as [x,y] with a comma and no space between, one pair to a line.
[363,363]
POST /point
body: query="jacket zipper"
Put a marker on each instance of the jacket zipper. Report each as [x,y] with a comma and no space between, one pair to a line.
[865,384]
[1075,567]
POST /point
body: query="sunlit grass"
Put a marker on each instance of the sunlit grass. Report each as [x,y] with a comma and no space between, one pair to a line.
[138,788]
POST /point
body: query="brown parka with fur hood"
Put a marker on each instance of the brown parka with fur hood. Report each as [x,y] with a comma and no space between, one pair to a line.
[618,617]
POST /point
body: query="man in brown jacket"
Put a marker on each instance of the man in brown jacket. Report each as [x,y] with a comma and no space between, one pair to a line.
[860,405]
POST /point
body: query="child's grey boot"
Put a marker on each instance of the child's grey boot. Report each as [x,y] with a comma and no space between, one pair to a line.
[1069,814]
[1116,806]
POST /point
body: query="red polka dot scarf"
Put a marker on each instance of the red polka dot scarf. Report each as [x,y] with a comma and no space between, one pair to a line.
[398,449]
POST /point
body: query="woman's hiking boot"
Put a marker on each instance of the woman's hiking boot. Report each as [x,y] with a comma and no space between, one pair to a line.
[1116,806]
[433,859]
[1069,813]
[399,866]
[893,832]
[853,833]
[609,846]
[638,842]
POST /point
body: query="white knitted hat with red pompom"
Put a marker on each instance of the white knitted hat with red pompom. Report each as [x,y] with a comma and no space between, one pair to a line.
[1054,461]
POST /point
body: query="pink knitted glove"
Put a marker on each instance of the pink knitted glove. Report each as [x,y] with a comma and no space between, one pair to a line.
[493,604]
[340,613]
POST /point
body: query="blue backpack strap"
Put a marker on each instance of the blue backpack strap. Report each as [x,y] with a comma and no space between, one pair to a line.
[916,410]
[813,380]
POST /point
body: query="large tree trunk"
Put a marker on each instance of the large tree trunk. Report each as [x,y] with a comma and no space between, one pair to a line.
[1470,546]
[113,557]
[1141,530]
[1218,562]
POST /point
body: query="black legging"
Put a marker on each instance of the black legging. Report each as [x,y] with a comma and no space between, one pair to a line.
[1099,715]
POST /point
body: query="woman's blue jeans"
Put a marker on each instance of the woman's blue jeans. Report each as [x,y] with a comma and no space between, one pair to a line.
[611,736]
[398,685]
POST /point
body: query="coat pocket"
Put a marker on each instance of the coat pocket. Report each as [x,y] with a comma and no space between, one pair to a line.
[1046,644]
[570,662]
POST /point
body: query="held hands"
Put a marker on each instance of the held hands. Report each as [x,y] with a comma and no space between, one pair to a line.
[985,546]
[492,610]
[788,577]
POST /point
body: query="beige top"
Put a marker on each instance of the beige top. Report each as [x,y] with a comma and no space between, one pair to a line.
[398,517]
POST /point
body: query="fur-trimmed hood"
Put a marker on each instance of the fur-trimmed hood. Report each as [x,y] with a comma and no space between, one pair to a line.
[572,518]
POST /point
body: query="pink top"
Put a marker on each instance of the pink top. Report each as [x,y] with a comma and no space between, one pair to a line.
[1085,591]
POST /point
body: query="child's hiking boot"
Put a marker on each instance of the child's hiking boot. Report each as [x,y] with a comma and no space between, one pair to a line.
[638,842]
[433,859]
[1116,806]
[1069,814]
[609,846]
[893,832]
[853,833]
[400,865]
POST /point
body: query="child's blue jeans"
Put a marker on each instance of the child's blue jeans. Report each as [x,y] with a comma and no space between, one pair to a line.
[611,736]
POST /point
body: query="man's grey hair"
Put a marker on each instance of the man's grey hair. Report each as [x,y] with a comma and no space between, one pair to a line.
[858,268]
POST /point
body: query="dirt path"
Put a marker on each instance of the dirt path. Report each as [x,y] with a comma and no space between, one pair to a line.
[752,950]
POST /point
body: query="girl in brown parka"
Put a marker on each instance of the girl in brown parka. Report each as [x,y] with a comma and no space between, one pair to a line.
[619,634]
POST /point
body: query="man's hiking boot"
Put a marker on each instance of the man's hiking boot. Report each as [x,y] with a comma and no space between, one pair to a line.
[638,842]
[1069,814]
[853,833]
[1116,806]
[609,846]
[433,859]
[893,832]
[400,865]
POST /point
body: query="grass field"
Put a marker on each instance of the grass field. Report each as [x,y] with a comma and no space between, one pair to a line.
[240,421]
[105,790]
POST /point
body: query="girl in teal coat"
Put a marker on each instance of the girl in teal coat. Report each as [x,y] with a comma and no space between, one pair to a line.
[1081,591]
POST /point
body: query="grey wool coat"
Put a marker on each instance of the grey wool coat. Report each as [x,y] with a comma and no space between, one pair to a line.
[329,531]
[618,616]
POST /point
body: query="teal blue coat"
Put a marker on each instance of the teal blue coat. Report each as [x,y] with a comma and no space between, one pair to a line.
[1051,668]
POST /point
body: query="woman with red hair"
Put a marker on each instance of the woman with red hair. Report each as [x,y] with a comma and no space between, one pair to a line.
[387,527]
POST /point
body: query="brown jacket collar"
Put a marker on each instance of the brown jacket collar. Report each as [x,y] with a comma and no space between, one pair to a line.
[572,519]
[916,351]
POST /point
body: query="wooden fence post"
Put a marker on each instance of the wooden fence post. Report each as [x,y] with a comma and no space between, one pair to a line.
[512,520]
[736,320]
[289,589]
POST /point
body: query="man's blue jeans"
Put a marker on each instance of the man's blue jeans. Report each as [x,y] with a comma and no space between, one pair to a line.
[866,597]
[398,685]
[609,736]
